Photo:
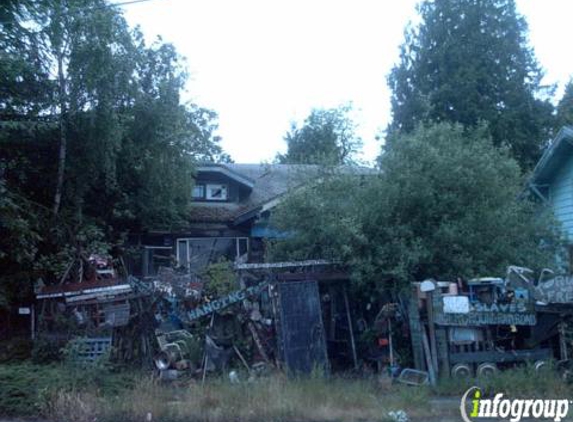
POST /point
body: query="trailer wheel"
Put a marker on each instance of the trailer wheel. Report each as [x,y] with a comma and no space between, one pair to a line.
[486,369]
[565,370]
[540,365]
[462,370]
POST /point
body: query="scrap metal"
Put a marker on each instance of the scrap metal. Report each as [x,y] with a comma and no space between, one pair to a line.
[226,301]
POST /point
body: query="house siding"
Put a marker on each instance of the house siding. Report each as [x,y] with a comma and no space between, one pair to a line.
[561,197]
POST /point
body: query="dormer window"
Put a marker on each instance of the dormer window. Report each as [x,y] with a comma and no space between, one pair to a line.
[199,192]
[216,192]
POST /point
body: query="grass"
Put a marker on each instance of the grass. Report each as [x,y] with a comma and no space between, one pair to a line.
[274,398]
[518,382]
[61,393]
[27,389]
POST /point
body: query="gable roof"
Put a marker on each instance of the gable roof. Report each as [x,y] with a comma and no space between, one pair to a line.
[229,172]
[270,182]
[560,150]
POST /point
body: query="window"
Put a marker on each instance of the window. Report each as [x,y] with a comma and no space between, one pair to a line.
[155,257]
[198,252]
[198,191]
[216,193]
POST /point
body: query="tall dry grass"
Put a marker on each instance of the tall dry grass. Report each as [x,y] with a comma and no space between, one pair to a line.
[275,398]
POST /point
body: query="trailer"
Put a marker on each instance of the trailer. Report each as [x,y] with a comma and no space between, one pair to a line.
[462,329]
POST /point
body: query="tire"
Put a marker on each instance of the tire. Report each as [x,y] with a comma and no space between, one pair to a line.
[462,370]
[565,370]
[540,365]
[486,369]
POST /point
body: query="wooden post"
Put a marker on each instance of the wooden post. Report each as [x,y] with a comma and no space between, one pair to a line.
[432,328]
[415,332]
[429,364]
[390,341]
[33,322]
[354,357]
[332,293]
[562,342]
[242,358]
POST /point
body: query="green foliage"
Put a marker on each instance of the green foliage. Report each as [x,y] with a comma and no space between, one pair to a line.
[30,390]
[469,61]
[74,78]
[444,205]
[326,137]
[565,108]
[19,235]
[15,349]
[47,350]
[220,279]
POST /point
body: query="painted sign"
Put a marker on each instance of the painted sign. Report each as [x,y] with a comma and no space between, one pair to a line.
[513,313]
[512,308]
[556,290]
[223,302]
[476,319]
[456,304]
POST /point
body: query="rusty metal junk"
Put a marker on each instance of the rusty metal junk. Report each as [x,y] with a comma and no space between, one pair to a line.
[297,317]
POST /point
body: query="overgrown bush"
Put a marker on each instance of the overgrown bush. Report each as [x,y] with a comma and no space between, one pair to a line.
[30,390]
[15,349]
[46,350]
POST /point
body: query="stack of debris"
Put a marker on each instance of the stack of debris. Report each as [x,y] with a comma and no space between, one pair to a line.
[99,307]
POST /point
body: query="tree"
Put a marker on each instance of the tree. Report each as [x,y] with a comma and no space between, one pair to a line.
[94,129]
[469,61]
[565,108]
[24,87]
[326,137]
[444,205]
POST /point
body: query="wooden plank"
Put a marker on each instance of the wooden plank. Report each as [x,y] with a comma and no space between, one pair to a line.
[496,356]
[415,332]
[442,351]
[429,363]
[313,276]
[288,264]
[349,319]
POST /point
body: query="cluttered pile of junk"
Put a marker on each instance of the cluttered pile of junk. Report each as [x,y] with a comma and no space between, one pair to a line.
[254,318]
[481,326]
[290,316]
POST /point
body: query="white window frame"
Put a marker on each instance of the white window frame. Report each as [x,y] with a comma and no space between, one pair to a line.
[187,239]
[224,189]
[202,196]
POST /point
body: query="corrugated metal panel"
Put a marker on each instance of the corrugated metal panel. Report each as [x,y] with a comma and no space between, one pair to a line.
[117,315]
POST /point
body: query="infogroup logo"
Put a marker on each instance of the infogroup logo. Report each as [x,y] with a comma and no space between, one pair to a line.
[511,409]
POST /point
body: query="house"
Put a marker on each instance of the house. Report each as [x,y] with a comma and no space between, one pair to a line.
[552,182]
[229,217]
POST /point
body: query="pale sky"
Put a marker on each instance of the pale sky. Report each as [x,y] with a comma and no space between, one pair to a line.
[261,64]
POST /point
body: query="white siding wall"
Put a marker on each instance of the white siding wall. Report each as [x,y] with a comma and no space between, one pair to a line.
[561,196]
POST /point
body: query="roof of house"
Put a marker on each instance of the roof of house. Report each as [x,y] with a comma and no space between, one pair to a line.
[269,183]
[554,157]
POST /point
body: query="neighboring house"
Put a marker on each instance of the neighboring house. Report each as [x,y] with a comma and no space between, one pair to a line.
[552,182]
[231,206]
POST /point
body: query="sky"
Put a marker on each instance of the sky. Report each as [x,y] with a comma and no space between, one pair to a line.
[262,64]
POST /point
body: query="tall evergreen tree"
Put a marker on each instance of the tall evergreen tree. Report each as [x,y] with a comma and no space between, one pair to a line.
[565,107]
[469,61]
